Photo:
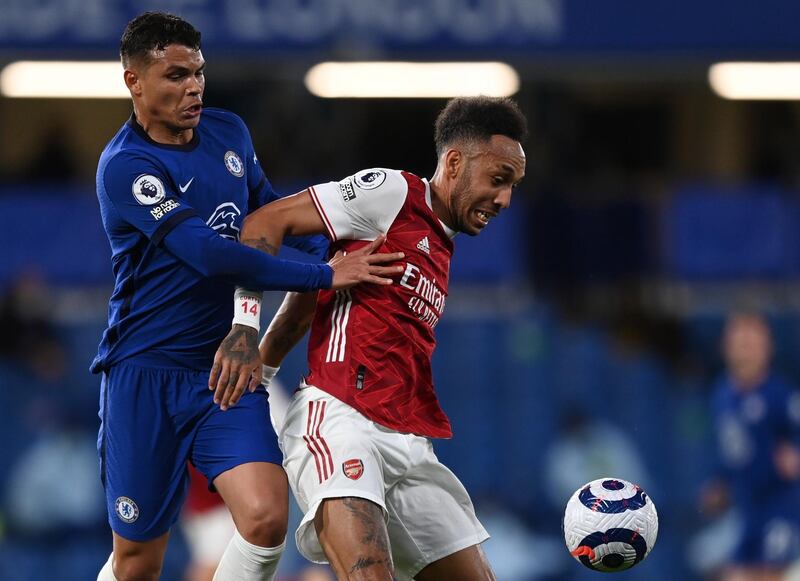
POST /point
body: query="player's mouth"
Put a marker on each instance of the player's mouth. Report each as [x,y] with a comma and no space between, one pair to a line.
[193,110]
[483,217]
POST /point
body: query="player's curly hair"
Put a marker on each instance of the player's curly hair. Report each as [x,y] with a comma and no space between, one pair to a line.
[477,119]
[155,31]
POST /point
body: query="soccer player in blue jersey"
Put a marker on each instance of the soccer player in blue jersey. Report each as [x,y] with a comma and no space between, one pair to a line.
[174,188]
[757,422]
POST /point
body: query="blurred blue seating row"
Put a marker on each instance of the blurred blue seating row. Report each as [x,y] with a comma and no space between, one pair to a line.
[729,233]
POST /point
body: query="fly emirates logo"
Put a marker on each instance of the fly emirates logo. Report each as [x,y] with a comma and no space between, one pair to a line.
[428,302]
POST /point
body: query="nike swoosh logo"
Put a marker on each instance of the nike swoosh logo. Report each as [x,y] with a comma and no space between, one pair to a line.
[186,187]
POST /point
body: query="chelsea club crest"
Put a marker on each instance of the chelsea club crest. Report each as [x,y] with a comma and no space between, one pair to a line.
[234,163]
[126,509]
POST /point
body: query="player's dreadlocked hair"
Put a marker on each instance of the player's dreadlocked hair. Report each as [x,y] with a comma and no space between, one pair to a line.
[155,31]
[478,118]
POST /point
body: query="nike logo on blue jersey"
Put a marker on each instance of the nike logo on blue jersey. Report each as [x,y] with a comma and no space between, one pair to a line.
[186,187]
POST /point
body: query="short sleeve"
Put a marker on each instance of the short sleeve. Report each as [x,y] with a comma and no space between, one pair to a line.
[361,206]
[142,196]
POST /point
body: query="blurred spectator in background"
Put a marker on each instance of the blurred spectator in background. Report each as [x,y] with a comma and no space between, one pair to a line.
[53,162]
[50,494]
[756,416]
[588,448]
[36,393]
[28,334]
[53,487]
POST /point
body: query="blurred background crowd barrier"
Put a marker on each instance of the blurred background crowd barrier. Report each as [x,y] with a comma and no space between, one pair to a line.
[582,330]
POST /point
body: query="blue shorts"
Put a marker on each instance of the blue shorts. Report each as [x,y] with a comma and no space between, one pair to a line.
[152,421]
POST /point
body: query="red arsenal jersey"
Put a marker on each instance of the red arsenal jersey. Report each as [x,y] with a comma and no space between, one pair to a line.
[371,345]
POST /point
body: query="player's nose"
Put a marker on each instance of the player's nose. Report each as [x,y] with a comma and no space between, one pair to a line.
[195,86]
[503,198]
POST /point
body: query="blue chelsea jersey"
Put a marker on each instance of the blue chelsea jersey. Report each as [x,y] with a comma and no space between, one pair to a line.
[162,312]
[749,425]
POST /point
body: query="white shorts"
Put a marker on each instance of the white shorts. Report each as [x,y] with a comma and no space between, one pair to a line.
[332,451]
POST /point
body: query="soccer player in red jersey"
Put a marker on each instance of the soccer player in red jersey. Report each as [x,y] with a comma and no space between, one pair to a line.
[356,438]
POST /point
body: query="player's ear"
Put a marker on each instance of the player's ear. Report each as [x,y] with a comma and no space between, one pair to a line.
[132,81]
[453,160]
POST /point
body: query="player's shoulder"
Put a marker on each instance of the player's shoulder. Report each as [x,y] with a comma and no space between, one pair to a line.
[223,117]
[128,144]
[128,165]
[115,160]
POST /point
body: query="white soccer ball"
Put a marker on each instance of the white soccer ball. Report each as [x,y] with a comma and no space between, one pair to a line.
[610,525]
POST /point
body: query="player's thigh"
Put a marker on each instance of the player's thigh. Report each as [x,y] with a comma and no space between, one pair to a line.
[139,560]
[353,534]
[431,518]
[329,452]
[468,564]
[237,451]
[142,454]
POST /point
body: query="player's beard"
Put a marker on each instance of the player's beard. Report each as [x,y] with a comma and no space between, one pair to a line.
[459,201]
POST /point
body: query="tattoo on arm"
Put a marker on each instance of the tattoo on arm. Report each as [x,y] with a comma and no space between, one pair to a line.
[261,244]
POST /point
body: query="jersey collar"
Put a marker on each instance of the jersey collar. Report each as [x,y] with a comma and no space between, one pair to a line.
[447,229]
[139,130]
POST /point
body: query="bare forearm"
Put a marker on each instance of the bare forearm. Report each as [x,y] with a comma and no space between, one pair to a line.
[288,327]
[294,215]
[261,237]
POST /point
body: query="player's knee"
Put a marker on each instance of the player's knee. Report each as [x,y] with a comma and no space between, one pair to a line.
[264,524]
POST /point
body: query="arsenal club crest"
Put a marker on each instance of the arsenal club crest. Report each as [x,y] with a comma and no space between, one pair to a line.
[353,469]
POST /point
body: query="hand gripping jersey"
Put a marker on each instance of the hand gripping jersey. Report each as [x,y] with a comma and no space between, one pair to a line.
[371,345]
